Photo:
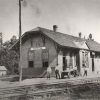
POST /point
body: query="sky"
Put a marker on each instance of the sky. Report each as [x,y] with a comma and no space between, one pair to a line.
[71,16]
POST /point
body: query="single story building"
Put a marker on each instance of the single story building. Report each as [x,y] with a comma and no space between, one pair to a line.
[42,48]
[3,71]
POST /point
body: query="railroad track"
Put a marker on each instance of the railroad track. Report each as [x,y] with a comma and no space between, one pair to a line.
[4,93]
[48,88]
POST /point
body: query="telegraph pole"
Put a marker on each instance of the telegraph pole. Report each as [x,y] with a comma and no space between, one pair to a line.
[20,40]
[1,40]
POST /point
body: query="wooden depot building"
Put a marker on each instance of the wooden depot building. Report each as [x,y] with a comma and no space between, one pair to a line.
[42,48]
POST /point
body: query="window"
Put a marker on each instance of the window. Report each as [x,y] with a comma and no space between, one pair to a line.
[31,64]
[45,64]
[92,54]
[45,58]
[85,59]
[31,56]
[45,54]
[71,61]
[75,60]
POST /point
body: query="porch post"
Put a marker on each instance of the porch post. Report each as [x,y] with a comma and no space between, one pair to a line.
[60,59]
[80,62]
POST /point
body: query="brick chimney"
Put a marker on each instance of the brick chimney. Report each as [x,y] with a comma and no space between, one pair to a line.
[55,28]
[80,34]
[90,36]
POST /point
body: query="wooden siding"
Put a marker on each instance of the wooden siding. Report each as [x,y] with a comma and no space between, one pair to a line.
[37,42]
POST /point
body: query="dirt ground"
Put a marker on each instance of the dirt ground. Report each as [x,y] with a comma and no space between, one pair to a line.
[73,80]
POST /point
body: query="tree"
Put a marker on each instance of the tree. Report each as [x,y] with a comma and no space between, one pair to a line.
[10,42]
[9,58]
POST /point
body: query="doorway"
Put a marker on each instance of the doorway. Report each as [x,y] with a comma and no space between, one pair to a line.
[93,64]
[78,62]
[64,63]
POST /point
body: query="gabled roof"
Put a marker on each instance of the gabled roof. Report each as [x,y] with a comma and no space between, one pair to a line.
[65,39]
[81,45]
[93,45]
[60,38]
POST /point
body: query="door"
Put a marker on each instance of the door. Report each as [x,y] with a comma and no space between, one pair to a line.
[93,64]
[64,63]
[78,62]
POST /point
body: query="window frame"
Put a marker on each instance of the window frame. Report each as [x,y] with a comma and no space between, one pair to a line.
[45,59]
[31,58]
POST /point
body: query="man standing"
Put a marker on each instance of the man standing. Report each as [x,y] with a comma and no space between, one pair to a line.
[57,72]
[49,72]
[85,71]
